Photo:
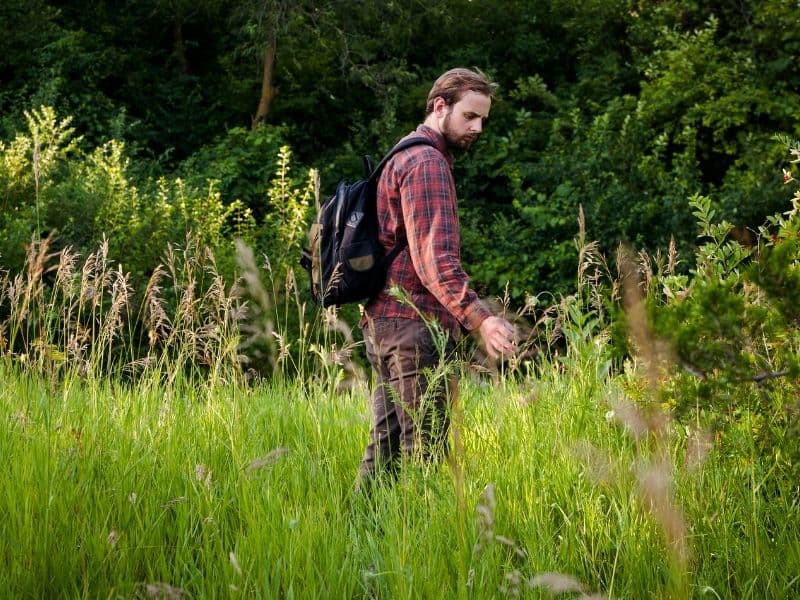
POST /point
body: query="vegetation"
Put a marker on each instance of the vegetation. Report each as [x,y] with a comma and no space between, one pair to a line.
[559,482]
[624,107]
[182,422]
[168,475]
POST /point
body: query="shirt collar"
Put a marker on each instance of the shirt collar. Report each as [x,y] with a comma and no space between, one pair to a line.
[438,139]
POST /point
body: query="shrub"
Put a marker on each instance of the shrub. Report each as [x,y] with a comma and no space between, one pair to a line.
[50,184]
[732,326]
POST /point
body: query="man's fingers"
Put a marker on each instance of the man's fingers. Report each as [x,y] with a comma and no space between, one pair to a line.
[499,337]
[502,344]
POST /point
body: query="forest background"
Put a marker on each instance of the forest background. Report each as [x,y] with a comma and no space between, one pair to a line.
[172,397]
[626,108]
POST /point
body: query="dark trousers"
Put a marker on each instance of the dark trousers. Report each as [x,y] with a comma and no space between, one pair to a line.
[410,404]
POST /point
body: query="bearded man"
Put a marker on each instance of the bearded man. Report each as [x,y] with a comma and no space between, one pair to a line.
[416,205]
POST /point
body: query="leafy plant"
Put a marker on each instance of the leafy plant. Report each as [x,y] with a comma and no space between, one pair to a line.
[733,329]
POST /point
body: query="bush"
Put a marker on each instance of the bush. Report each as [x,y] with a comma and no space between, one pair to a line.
[733,327]
[50,184]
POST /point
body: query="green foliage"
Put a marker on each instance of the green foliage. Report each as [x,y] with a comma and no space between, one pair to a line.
[29,26]
[240,165]
[624,108]
[283,234]
[718,258]
[53,187]
[28,167]
[174,490]
[679,103]
[733,328]
[51,184]
[721,112]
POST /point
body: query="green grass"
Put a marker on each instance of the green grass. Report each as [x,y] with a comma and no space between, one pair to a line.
[108,489]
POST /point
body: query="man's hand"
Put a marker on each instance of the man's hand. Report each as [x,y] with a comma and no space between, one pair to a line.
[499,337]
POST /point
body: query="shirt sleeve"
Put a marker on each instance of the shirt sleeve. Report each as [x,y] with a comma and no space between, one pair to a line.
[428,200]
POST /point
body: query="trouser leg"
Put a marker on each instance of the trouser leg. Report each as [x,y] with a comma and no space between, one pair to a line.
[384,436]
[409,409]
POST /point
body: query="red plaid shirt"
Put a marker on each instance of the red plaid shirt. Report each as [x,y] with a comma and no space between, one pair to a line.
[417,201]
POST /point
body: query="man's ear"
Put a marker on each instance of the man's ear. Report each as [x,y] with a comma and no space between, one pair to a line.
[439,106]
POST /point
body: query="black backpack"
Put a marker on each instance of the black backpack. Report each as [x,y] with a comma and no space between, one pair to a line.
[345,261]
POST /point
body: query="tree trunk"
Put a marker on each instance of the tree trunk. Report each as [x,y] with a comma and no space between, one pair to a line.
[267,89]
[177,38]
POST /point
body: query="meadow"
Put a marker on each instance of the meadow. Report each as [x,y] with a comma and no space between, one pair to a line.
[144,459]
[179,421]
[557,484]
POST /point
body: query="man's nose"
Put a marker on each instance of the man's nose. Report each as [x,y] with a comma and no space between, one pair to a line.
[477,126]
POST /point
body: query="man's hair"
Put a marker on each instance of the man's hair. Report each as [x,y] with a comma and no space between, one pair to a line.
[453,84]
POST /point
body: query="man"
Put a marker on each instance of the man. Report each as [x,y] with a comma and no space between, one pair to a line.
[417,202]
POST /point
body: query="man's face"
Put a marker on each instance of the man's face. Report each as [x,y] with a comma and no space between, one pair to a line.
[462,122]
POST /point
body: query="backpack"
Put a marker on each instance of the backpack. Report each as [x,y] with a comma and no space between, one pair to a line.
[345,260]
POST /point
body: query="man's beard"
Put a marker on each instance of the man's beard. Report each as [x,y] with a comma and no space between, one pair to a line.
[457,143]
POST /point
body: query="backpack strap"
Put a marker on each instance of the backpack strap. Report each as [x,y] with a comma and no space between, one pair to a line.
[399,147]
[373,178]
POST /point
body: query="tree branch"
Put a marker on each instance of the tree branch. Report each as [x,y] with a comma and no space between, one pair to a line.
[762,377]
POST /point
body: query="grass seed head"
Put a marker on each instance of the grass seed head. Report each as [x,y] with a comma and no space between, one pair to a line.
[155,315]
[65,271]
[655,486]
[203,474]
[556,583]
[698,446]
[113,538]
[235,563]
[485,518]
[270,459]
[164,591]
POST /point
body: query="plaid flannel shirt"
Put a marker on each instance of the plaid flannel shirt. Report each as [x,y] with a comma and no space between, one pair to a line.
[417,201]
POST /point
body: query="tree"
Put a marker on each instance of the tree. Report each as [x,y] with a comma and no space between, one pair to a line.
[260,23]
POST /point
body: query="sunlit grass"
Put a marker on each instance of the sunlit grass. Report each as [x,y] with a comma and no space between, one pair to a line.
[113,491]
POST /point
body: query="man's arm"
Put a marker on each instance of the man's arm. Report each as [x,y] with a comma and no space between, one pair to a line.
[431,219]
[429,212]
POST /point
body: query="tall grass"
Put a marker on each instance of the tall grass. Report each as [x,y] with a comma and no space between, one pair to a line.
[142,462]
[150,491]
[66,316]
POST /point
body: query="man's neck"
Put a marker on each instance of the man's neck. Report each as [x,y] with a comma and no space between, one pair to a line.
[430,121]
